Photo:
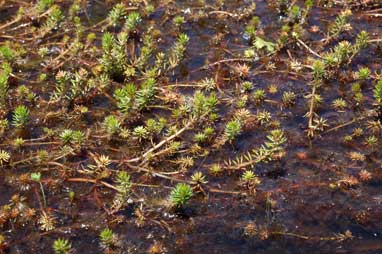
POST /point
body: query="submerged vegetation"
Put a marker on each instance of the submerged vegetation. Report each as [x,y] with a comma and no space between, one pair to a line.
[176,126]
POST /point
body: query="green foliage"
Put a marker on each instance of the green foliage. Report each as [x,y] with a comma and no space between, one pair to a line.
[129,97]
[259,95]
[203,104]
[114,56]
[339,104]
[54,19]
[288,98]
[181,194]
[74,9]
[20,116]
[361,41]
[363,73]
[124,188]
[247,86]
[132,21]
[36,176]
[22,91]
[252,26]
[340,24]
[146,51]
[124,182]
[149,9]
[145,94]
[111,124]
[377,93]
[199,178]
[107,238]
[177,51]
[154,126]
[78,85]
[318,70]
[4,77]
[232,129]
[260,44]
[178,20]
[43,5]
[215,169]
[6,53]
[69,136]
[107,42]
[248,176]
[265,153]
[340,54]
[295,14]
[117,13]
[62,246]
[201,137]
[263,117]
[308,4]
[140,132]
[125,97]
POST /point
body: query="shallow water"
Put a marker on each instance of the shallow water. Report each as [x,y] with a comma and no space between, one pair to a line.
[303,203]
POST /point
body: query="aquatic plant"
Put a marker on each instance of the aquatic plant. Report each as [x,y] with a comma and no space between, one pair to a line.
[70,136]
[339,104]
[363,73]
[53,20]
[200,137]
[108,239]
[263,117]
[295,14]
[140,132]
[122,108]
[270,150]
[62,246]
[215,169]
[341,23]
[199,178]
[247,86]
[178,20]
[232,129]
[319,71]
[20,116]
[377,93]
[111,124]
[180,194]
[177,51]
[203,104]
[6,53]
[154,126]
[250,179]
[117,13]
[252,26]
[4,157]
[4,77]
[125,97]
[47,221]
[145,95]
[259,95]
[132,21]
[288,98]
[42,5]
[124,187]
[114,56]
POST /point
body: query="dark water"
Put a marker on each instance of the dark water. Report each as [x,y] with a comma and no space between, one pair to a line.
[303,203]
